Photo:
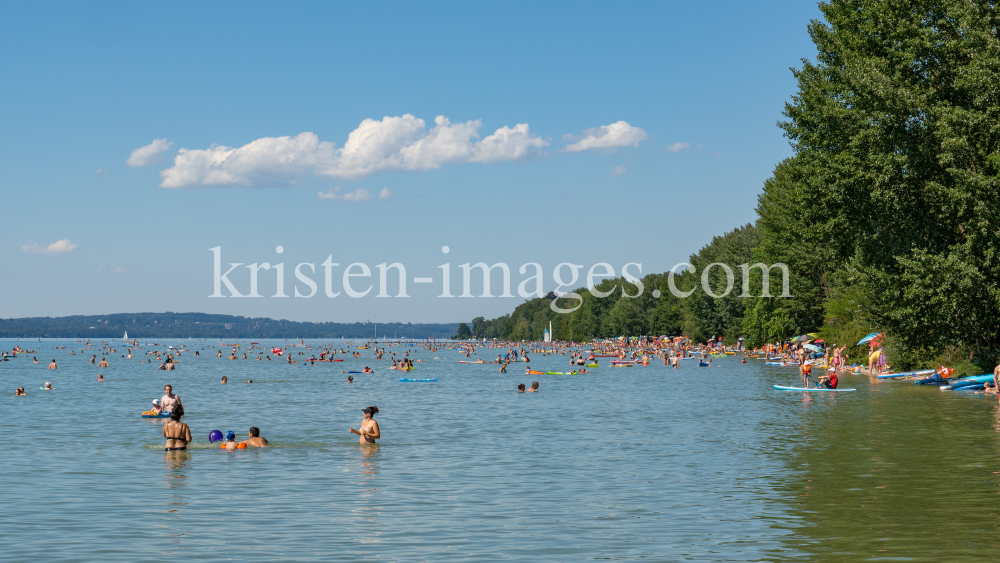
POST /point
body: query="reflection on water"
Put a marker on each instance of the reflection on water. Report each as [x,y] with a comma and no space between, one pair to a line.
[904,473]
[367,511]
[174,477]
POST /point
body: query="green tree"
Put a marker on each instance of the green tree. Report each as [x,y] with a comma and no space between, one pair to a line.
[463,332]
[897,156]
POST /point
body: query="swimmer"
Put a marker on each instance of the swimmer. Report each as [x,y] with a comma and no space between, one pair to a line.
[255,439]
[350,378]
[36,360]
[520,388]
[53,364]
[48,386]
[169,401]
[225,379]
[19,391]
[368,370]
[100,377]
[249,381]
[176,432]
[163,366]
[369,428]
[231,440]
[156,406]
[533,388]
[104,363]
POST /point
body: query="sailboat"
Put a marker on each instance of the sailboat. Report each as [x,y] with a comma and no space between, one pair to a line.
[126,336]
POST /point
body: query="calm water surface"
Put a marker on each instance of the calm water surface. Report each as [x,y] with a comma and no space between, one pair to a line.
[694,464]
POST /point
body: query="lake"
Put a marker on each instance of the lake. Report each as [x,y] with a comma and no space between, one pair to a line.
[693,464]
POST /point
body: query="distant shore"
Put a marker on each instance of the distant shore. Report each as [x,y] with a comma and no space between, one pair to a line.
[204,325]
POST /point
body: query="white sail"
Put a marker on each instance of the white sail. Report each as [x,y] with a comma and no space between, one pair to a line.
[126,336]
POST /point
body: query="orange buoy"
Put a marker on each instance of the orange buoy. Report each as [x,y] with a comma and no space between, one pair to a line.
[241,446]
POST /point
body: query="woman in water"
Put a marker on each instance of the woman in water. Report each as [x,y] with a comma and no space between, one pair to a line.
[176,432]
[369,428]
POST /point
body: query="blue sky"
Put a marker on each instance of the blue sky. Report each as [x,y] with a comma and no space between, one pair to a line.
[670,109]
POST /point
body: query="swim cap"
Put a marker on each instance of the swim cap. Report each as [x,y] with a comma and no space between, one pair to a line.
[215,436]
[230,435]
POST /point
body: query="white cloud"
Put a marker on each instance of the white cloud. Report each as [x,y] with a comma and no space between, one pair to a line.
[386,193]
[359,194]
[101,268]
[100,172]
[121,269]
[149,154]
[607,137]
[677,147]
[394,143]
[619,170]
[58,247]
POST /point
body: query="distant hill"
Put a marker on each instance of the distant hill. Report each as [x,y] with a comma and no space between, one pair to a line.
[201,325]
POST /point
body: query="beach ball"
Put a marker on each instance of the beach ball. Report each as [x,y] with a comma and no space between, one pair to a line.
[215,436]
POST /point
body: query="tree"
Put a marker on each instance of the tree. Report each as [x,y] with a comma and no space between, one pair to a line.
[463,332]
[897,162]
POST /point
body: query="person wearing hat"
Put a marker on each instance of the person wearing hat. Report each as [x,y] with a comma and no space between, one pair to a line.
[156,406]
[369,431]
[48,386]
[231,440]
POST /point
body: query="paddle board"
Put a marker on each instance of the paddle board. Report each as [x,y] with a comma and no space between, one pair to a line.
[411,380]
[905,374]
[783,388]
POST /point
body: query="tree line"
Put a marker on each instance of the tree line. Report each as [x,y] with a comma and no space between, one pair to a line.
[887,214]
[202,325]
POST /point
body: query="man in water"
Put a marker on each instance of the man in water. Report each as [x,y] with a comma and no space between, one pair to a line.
[53,364]
[169,401]
[103,364]
[255,439]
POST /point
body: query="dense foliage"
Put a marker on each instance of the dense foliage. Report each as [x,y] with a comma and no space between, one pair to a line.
[887,215]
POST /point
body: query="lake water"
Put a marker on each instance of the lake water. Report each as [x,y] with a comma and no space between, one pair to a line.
[693,464]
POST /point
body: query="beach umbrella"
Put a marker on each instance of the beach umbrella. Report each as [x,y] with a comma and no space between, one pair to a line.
[812,347]
[803,338]
[868,338]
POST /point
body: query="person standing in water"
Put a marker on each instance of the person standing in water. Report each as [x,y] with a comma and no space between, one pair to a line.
[53,364]
[169,402]
[369,431]
[177,433]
